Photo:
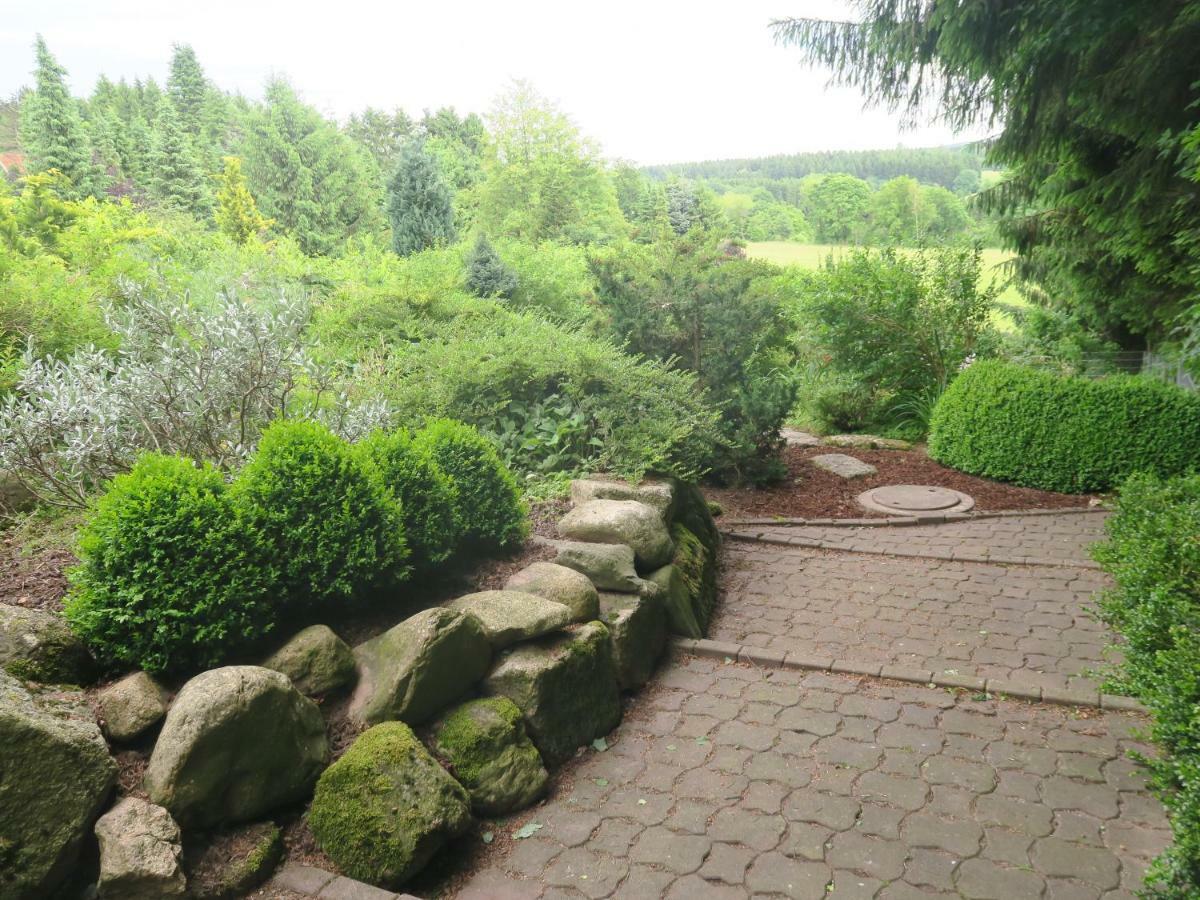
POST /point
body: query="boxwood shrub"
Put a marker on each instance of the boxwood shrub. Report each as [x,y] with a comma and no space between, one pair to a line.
[490,511]
[1153,555]
[428,498]
[1041,430]
[332,527]
[172,577]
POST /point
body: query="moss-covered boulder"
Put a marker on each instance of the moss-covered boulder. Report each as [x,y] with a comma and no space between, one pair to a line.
[658,493]
[610,567]
[565,686]
[239,742]
[131,706]
[55,777]
[234,862]
[621,522]
[383,809]
[140,852]
[316,660]
[692,511]
[509,617]
[485,745]
[677,600]
[637,627]
[696,564]
[416,669]
[36,645]
[562,585]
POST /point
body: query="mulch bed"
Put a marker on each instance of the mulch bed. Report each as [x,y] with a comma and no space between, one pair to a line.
[34,580]
[811,493]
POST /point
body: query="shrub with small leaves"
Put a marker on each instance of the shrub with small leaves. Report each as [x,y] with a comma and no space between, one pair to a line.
[333,528]
[427,496]
[171,577]
[490,510]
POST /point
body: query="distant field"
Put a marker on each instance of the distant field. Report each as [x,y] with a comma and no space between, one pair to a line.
[811,256]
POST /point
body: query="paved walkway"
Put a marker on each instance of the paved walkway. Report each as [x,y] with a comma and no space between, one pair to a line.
[729,780]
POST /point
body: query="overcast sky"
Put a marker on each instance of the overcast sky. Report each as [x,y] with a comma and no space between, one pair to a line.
[653,81]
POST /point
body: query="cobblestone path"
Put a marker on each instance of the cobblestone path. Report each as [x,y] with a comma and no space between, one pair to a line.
[729,780]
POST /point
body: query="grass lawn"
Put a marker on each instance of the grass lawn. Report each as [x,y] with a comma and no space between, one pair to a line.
[811,256]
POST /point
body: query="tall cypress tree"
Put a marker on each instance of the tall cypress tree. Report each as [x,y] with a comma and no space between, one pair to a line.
[52,132]
[419,205]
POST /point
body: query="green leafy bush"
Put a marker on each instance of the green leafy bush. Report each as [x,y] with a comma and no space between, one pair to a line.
[490,511]
[171,576]
[428,498]
[1153,555]
[1064,434]
[334,529]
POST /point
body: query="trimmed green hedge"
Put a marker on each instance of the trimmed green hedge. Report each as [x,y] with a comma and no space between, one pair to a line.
[1153,554]
[1045,431]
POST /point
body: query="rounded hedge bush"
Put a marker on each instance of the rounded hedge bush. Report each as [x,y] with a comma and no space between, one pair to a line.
[332,526]
[1057,433]
[171,576]
[427,496]
[490,511]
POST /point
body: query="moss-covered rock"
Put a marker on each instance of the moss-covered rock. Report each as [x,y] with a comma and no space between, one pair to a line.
[637,627]
[562,585]
[416,669]
[130,707]
[239,742]
[55,777]
[316,660]
[677,601]
[383,809]
[621,522]
[233,863]
[485,745]
[509,617]
[565,686]
[36,645]
[696,564]
[693,513]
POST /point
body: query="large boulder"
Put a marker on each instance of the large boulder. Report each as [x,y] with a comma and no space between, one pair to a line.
[562,585]
[565,686]
[316,660]
[678,601]
[637,627]
[658,493]
[485,745]
[55,777]
[140,853]
[383,809]
[38,646]
[509,617]
[610,567]
[418,668]
[696,563]
[239,742]
[130,707]
[232,863]
[621,522]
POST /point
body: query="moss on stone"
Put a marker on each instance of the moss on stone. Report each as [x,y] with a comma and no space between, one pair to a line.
[383,809]
[697,567]
[466,741]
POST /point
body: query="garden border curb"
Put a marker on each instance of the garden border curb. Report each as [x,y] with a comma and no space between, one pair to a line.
[903,521]
[806,544]
[314,882]
[778,659]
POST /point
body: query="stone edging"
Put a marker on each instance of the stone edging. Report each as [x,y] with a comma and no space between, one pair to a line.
[778,659]
[762,538]
[902,521]
[314,882]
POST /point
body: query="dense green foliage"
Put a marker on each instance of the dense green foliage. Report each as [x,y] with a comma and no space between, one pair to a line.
[884,333]
[420,206]
[332,528]
[488,502]
[428,498]
[1153,555]
[172,577]
[1098,100]
[1062,433]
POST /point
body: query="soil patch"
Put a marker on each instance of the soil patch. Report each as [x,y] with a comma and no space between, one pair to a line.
[811,493]
[35,580]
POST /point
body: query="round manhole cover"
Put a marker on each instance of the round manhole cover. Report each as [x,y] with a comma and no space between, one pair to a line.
[915,499]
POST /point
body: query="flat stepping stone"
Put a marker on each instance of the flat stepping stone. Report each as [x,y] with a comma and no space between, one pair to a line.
[867,442]
[794,438]
[915,500]
[842,465]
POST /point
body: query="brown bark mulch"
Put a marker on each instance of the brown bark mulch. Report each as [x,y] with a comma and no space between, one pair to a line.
[811,493]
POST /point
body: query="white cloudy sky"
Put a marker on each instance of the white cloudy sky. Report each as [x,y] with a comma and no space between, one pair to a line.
[654,81]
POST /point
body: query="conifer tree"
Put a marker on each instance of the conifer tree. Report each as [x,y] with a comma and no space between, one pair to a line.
[419,205]
[236,213]
[176,178]
[187,89]
[52,132]
[487,275]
